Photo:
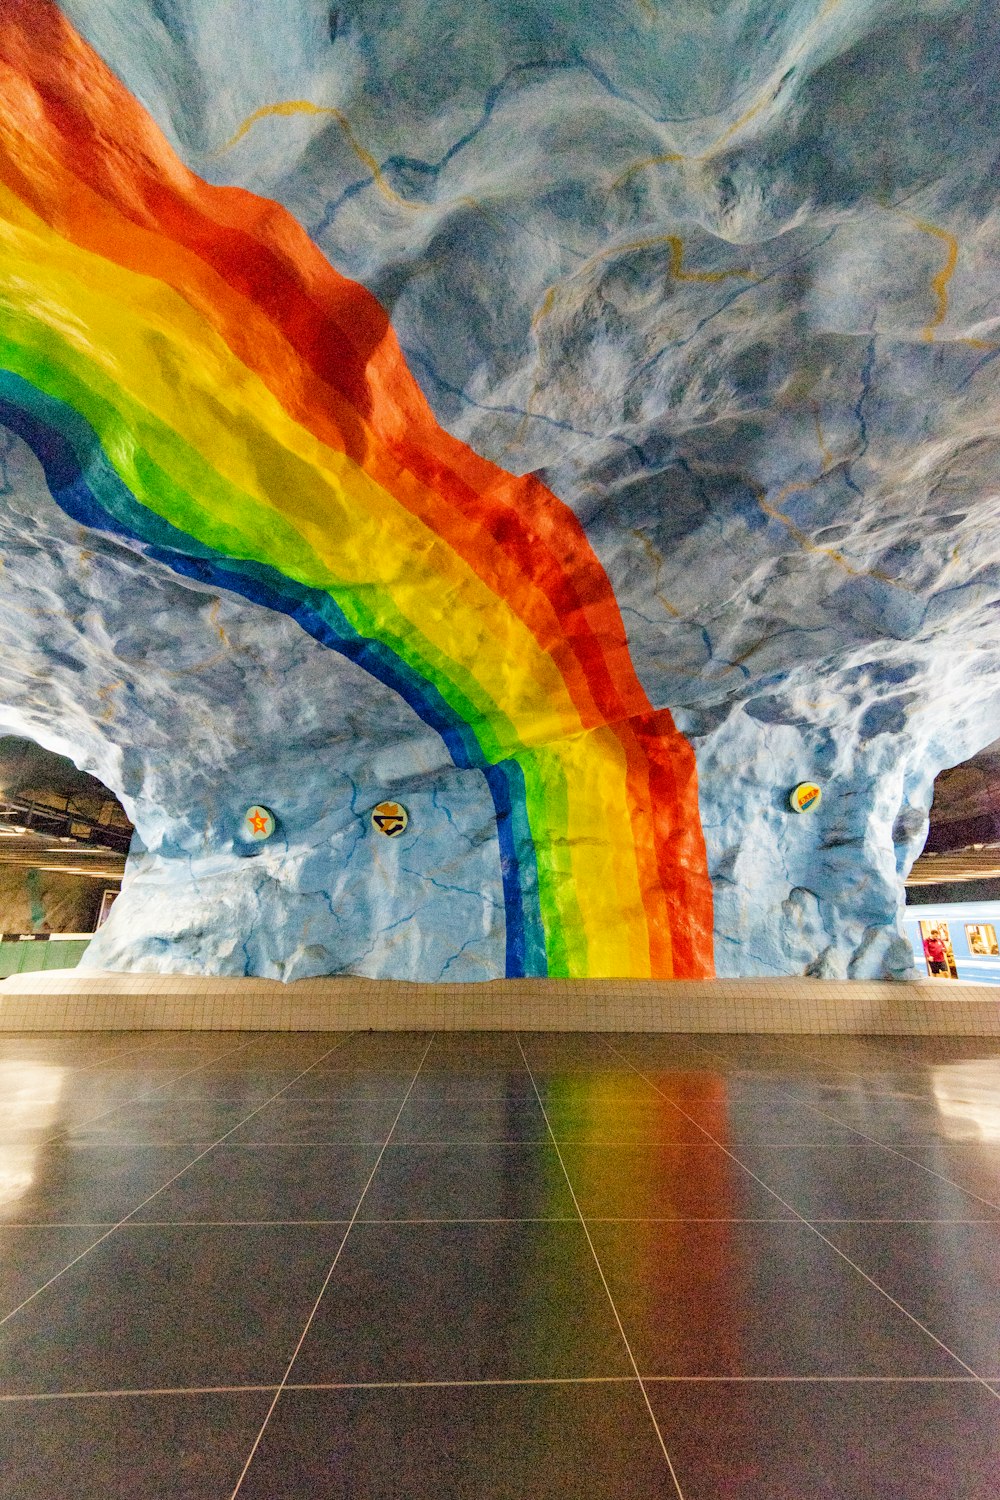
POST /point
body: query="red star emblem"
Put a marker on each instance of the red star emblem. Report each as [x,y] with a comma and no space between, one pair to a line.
[258,823]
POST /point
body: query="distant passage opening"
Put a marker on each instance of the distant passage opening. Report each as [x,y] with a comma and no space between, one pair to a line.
[63,842]
[953,891]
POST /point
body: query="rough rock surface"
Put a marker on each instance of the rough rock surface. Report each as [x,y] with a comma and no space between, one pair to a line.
[190,707]
[725,277]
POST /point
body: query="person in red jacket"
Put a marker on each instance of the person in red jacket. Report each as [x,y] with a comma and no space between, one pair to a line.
[937,958]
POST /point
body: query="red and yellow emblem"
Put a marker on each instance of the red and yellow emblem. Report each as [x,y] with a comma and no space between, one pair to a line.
[390,818]
[806,797]
[258,823]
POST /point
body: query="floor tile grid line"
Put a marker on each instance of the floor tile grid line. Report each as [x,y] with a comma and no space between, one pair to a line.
[340,1140]
[127,1393]
[604,1281]
[554,1219]
[136,1099]
[161,1189]
[557,1219]
[131,1052]
[217,1224]
[418,1385]
[227,1052]
[817,1057]
[888,1041]
[111,1042]
[106,1057]
[895,1150]
[638,1143]
[792,1097]
[288,1223]
[406,1385]
[121,1104]
[836,1249]
[915,1058]
[340,1385]
[815,1379]
[779,1043]
[874,1140]
[327,1279]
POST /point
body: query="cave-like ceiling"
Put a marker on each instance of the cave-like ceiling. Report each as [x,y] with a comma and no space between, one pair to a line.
[578,425]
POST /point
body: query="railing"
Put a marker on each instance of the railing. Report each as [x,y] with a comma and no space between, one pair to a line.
[23,956]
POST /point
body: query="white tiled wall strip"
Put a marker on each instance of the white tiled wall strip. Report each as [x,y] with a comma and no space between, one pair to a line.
[64,1000]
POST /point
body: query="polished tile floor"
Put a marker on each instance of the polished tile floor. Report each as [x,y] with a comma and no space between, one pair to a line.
[512,1267]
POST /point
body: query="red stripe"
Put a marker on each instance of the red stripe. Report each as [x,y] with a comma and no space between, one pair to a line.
[339,331]
[359,396]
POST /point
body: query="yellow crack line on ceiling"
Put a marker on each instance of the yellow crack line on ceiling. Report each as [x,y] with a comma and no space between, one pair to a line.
[657,559]
[773,509]
[767,96]
[291,107]
[677,271]
[287,107]
[940,281]
[213,620]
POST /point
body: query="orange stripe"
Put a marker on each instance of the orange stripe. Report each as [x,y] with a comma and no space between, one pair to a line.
[337,328]
[71,208]
[93,164]
[638,792]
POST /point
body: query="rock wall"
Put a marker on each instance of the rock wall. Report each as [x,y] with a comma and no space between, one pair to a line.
[190,705]
[720,281]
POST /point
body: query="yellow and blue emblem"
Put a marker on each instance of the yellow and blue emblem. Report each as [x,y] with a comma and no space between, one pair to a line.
[806,797]
[390,818]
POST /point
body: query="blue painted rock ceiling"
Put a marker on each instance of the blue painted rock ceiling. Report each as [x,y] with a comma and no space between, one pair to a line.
[724,278]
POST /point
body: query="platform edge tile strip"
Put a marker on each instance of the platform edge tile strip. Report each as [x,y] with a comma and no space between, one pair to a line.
[67,1000]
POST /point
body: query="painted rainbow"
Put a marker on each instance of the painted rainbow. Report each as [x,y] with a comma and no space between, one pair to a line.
[196,379]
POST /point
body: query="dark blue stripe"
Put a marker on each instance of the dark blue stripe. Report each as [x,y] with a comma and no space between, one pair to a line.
[86,486]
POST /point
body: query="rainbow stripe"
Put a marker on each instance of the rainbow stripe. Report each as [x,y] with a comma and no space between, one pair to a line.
[195,377]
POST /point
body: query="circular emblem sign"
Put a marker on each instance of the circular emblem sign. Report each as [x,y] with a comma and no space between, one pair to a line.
[806,797]
[390,818]
[258,824]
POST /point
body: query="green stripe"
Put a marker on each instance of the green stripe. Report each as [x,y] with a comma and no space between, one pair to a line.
[198,500]
[547,805]
[238,527]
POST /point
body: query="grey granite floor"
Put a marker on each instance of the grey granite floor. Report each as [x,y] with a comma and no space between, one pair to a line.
[488,1265]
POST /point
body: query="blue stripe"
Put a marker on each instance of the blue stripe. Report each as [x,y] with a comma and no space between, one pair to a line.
[86,486]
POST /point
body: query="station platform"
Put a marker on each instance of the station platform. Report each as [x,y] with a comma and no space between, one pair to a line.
[90,1000]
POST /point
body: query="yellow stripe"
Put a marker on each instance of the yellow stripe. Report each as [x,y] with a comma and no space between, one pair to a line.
[152,345]
[601,837]
[161,353]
